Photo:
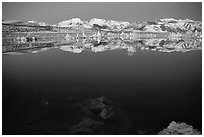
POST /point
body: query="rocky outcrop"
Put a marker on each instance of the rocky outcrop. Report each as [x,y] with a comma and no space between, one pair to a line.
[179,128]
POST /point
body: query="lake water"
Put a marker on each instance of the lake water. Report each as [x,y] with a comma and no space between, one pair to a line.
[151,89]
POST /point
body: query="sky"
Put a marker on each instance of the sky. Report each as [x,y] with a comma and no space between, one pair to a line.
[55,12]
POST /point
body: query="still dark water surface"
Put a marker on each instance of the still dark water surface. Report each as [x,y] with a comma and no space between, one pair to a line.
[151,89]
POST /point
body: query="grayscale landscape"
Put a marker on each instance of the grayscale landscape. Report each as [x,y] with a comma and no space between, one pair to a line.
[93,75]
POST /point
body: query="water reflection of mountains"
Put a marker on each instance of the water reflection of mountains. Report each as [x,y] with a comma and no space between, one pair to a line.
[78,45]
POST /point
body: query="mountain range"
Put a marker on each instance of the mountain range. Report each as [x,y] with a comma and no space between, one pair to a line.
[168,25]
[162,25]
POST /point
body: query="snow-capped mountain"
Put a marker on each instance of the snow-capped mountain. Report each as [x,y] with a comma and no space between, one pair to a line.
[109,23]
[168,20]
[174,26]
[100,23]
[71,22]
[168,25]
[117,24]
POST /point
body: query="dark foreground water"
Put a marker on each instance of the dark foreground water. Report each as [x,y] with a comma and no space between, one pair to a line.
[43,93]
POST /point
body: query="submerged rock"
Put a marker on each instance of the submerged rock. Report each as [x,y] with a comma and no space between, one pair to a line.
[106,113]
[179,128]
[100,116]
[95,113]
[99,107]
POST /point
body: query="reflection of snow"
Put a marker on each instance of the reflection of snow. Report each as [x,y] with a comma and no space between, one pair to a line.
[67,37]
[131,51]
[99,48]
[73,49]
[162,45]
[152,42]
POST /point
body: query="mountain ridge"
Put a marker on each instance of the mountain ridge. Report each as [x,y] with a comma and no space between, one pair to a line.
[167,25]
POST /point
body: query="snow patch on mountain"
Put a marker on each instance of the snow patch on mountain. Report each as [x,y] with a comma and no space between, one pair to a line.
[117,24]
[100,22]
[37,23]
[167,20]
[71,22]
